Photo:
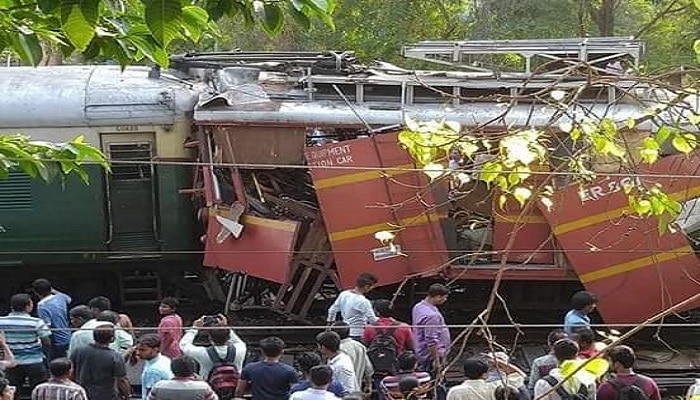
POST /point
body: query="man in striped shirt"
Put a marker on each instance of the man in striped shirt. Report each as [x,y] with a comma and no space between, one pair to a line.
[25,335]
[407,363]
[59,387]
[184,386]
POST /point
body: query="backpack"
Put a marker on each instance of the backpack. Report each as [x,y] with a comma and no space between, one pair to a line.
[629,392]
[581,394]
[223,377]
[383,350]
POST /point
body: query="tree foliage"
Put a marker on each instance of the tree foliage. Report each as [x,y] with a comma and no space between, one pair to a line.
[45,160]
[130,31]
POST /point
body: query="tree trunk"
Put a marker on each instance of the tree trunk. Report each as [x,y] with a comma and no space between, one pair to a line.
[606,18]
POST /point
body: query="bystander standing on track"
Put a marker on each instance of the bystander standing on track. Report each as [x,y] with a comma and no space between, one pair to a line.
[430,331]
[25,336]
[354,308]
[156,366]
[582,304]
[59,386]
[622,359]
[53,309]
[170,327]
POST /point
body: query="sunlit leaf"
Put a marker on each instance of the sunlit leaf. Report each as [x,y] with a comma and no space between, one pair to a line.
[681,144]
[547,202]
[164,18]
[558,95]
[194,19]
[433,170]
[521,194]
[79,19]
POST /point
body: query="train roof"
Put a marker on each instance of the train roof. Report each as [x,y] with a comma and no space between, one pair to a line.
[68,96]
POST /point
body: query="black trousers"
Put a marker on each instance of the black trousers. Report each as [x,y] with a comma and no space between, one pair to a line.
[35,373]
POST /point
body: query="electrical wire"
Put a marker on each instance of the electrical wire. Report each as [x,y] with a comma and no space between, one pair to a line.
[262,251]
[354,168]
[247,327]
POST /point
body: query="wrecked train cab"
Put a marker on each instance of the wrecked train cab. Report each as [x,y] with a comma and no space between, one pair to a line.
[298,182]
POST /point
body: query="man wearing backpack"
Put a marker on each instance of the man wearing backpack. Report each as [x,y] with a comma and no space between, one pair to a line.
[572,389]
[221,362]
[385,340]
[625,384]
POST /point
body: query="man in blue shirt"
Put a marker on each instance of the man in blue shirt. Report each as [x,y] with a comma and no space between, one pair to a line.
[53,309]
[582,304]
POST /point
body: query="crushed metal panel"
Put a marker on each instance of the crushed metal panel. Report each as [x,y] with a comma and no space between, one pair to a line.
[261,145]
[618,255]
[264,249]
[354,203]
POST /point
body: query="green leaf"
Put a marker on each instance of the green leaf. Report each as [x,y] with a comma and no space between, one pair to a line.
[150,49]
[301,18]
[78,20]
[662,134]
[27,47]
[194,19]
[273,21]
[48,6]
[522,194]
[696,49]
[630,123]
[681,144]
[490,171]
[697,4]
[502,201]
[575,134]
[163,18]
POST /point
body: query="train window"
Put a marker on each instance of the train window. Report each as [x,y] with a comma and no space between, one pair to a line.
[16,192]
[131,161]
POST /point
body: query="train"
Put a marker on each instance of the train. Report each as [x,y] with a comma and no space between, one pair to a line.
[256,181]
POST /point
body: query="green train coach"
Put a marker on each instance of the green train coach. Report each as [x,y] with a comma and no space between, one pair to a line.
[129,234]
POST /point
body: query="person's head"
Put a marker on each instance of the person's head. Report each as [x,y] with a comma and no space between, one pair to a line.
[328,342]
[108,316]
[475,368]
[408,386]
[321,376]
[42,287]
[308,360]
[555,336]
[506,393]
[382,308]
[219,336]
[366,282]
[183,366]
[272,347]
[103,334]
[7,392]
[168,305]
[584,337]
[342,329]
[80,315]
[622,358]
[584,301]
[148,346]
[60,367]
[565,349]
[21,302]
[99,304]
[407,361]
[437,293]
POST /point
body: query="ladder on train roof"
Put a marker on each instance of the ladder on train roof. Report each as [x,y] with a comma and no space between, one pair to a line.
[466,54]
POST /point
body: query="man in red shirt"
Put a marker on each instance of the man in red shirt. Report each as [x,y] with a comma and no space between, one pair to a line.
[621,360]
[402,331]
[170,327]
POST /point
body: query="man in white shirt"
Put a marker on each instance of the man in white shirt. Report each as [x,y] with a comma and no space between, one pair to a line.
[84,336]
[358,354]
[321,376]
[221,337]
[564,349]
[355,309]
[340,363]
[475,387]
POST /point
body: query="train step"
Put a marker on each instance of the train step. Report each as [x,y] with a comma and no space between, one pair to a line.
[139,289]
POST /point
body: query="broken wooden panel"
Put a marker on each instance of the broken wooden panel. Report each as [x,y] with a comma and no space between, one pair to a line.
[260,145]
[264,248]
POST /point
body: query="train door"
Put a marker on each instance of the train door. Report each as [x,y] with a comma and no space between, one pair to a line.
[131,194]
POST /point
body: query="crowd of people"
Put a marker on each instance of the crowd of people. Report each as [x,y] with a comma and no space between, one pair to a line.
[92,352]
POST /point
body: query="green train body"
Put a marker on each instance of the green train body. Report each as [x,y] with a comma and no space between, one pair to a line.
[129,234]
